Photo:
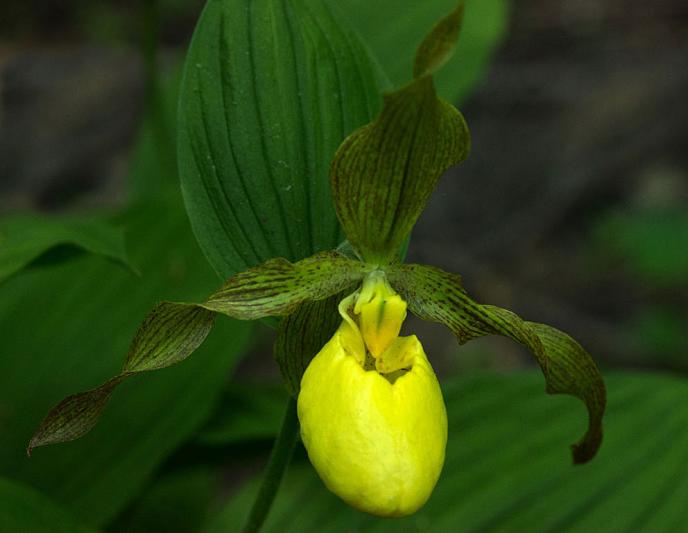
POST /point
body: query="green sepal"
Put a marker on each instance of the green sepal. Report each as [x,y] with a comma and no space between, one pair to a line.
[168,335]
[277,287]
[302,334]
[438,46]
[438,296]
[383,173]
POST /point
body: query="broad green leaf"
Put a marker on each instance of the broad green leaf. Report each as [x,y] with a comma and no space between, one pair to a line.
[507,469]
[176,501]
[438,296]
[651,245]
[393,28]
[660,332]
[26,237]
[383,174]
[67,328]
[270,89]
[277,287]
[302,334]
[23,509]
[243,416]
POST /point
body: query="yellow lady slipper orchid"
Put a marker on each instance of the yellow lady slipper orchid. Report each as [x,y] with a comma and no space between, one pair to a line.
[374,422]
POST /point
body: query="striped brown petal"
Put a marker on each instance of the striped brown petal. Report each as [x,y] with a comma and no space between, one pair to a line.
[438,296]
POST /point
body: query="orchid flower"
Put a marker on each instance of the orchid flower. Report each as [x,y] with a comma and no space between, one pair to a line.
[371,412]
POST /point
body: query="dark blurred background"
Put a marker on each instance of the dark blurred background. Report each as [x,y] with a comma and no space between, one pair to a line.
[573,206]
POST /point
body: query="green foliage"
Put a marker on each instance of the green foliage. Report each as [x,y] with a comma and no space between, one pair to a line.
[23,509]
[24,238]
[154,161]
[507,469]
[243,416]
[393,28]
[176,501]
[660,331]
[438,296]
[270,90]
[68,328]
[652,244]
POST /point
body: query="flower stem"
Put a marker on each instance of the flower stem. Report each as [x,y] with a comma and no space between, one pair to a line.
[274,471]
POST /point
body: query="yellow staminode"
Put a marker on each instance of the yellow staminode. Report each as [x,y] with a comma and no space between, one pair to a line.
[382,312]
[376,437]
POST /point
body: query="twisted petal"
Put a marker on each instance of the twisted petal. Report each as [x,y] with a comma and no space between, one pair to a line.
[277,287]
[173,331]
[438,296]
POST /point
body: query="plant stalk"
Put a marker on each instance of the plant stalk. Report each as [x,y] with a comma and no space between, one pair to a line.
[274,471]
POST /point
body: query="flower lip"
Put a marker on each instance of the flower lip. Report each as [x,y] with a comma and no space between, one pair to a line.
[377,440]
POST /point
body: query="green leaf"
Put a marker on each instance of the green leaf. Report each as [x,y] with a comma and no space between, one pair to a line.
[438,296]
[67,328]
[176,501]
[270,90]
[384,173]
[243,416]
[277,287]
[170,333]
[507,471]
[660,333]
[154,161]
[392,29]
[302,335]
[26,237]
[652,244]
[23,509]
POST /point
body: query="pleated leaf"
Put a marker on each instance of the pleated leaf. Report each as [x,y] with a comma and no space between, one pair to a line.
[24,509]
[26,237]
[438,296]
[384,173]
[243,416]
[270,90]
[507,469]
